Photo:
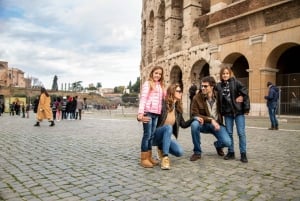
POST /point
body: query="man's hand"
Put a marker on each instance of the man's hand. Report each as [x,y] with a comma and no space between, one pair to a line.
[215,124]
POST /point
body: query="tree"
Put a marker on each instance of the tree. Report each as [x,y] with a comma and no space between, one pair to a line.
[76,86]
[119,89]
[54,84]
[129,86]
[99,85]
[136,87]
[36,83]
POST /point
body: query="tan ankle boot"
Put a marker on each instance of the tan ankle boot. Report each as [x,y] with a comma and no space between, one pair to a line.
[145,160]
[165,163]
[152,160]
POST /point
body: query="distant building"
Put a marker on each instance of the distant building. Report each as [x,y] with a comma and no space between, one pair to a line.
[12,76]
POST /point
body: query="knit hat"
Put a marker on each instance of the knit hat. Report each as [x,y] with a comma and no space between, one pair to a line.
[269,83]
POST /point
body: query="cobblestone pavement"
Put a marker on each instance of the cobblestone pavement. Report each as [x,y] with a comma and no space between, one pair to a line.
[97,158]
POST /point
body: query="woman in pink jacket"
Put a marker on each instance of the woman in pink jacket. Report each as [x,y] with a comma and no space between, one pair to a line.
[150,105]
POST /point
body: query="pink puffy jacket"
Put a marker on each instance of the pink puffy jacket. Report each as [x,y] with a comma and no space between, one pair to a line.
[151,101]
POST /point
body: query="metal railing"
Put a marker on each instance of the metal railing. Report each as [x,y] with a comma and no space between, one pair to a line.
[288,103]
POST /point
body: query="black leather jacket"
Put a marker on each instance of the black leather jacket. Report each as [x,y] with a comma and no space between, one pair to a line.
[179,120]
[230,106]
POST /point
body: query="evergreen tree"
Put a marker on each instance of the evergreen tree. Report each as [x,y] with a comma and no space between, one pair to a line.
[136,87]
[54,84]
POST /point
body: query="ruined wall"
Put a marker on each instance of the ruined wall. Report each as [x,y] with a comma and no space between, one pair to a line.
[191,39]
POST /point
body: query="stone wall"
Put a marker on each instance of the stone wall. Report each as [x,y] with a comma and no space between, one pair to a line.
[189,40]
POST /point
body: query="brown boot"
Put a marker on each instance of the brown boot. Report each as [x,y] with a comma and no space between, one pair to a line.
[152,160]
[145,160]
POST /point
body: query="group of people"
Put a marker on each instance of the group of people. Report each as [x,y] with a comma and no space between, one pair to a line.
[161,112]
[60,109]
[69,108]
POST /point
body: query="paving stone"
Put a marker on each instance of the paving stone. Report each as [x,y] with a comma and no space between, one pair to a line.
[97,158]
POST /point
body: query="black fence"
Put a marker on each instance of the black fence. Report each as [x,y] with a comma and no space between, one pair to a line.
[289,100]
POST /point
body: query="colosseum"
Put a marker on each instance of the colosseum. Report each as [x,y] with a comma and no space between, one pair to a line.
[258,39]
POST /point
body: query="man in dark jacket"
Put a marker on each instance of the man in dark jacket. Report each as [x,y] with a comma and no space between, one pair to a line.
[206,106]
[272,104]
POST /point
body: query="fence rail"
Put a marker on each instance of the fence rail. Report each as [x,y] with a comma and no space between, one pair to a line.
[288,103]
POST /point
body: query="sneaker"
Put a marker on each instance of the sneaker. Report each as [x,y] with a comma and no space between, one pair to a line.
[220,151]
[229,156]
[195,157]
[165,163]
[244,158]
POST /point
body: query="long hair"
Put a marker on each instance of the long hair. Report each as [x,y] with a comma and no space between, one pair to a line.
[170,97]
[161,80]
[43,90]
[226,68]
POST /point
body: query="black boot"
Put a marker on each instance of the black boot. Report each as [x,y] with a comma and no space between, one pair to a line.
[229,156]
[37,124]
[244,158]
[52,123]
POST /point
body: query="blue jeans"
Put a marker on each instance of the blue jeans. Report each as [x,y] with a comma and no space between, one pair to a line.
[272,114]
[148,133]
[162,139]
[240,127]
[223,139]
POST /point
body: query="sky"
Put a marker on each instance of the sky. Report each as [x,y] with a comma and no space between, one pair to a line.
[78,40]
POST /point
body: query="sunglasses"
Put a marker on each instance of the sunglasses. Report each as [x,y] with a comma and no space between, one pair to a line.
[179,91]
[204,86]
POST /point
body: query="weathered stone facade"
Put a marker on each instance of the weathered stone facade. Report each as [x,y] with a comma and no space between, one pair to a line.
[190,39]
[12,76]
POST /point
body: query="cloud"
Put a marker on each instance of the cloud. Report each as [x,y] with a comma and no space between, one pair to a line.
[89,41]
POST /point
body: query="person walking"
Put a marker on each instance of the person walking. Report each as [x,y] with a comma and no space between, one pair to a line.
[235,104]
[79,107]
[272,104]
[44,110]
[150,105]
[206,107]
[27,110]
[168,123]
[58,105]
[36,104]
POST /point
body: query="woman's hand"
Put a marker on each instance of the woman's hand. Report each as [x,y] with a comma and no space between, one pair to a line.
[143,118]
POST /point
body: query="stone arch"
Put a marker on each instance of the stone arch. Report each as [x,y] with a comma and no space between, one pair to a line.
[160,31]
[239,66]
[285,58]
[176,76]
[150,37]
[199,70]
